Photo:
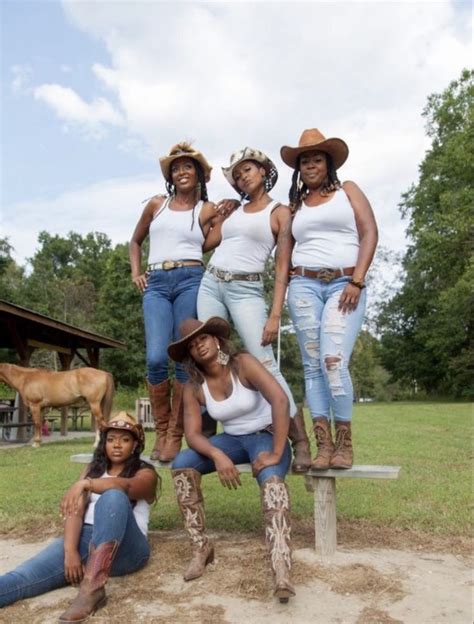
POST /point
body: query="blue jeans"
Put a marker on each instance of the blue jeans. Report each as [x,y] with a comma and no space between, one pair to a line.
[245,303]
[325,332]
[113,520]
[168,300]
[241,449]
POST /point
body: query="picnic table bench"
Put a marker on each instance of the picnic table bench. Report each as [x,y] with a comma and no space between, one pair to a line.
[323,485]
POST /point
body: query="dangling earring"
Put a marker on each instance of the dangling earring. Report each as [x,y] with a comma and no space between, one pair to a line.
[267,183]
[222,358]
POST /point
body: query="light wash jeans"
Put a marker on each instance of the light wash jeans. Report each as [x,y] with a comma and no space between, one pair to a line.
[241,449]
[244,302]
[113,520]
[323,331]
[168,300]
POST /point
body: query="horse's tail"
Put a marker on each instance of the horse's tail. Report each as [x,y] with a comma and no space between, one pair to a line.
[108,398]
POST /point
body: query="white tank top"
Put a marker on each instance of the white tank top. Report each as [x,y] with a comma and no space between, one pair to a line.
[245,411]
[247,241]
[141,510]
[171,236]
[326,235]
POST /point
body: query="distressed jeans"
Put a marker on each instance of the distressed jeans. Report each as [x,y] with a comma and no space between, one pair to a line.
[168,300]
[245,304]
[241,449]
[113,520]
[325,332]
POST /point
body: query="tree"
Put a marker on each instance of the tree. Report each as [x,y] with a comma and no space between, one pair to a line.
[427,327]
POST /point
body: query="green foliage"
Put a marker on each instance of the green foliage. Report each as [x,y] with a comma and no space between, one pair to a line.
[427,328]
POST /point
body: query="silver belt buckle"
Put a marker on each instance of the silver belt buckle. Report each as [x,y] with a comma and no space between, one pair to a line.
[227,276]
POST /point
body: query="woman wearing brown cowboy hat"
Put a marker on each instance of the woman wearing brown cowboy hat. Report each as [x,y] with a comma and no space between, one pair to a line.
[106,515]
[176,226]
[254,411]
[233,283]
[336,235]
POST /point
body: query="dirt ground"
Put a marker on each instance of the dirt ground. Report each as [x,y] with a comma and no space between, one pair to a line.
[407,578]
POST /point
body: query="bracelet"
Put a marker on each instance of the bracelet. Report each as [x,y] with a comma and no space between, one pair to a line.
[359,285]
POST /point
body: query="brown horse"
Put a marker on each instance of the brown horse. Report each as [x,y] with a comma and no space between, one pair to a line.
[40,388]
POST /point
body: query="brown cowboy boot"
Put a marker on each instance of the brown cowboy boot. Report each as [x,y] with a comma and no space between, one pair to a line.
[91,596]
[343,456]
[187,483]
[276,513]
[160,408]
[300,443]
[175,431]
[322,432]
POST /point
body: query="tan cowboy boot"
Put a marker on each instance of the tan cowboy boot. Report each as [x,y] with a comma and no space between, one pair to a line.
[91,596]
[300,443]
[343,456]
[174,435]
[276,513]
[187,483]
[322,431]
[160,409]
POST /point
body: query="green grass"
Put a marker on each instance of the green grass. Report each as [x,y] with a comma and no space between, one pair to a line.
[431,441]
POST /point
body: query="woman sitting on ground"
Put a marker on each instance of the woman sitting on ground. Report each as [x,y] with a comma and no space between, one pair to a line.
[239,392]
[106,516]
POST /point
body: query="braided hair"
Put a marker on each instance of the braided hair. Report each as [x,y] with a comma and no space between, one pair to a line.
[201,188]
[299,190]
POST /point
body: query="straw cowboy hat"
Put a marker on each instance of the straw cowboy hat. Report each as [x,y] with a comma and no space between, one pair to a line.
[178,151]
[313,139]
[125,422]
[190,328]
[248,153]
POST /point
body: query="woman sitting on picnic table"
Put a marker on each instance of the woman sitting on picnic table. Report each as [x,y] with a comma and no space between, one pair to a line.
[243,395]
[106,516]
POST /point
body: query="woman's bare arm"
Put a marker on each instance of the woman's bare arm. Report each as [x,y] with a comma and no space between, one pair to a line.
[140,233]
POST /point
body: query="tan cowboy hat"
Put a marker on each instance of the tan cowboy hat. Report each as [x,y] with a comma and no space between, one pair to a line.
[248,153]
[126,422]
[178,151]
[313,139]
[190,328]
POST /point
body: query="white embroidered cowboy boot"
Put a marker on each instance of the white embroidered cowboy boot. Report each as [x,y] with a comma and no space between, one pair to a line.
[276,513]
[187,483]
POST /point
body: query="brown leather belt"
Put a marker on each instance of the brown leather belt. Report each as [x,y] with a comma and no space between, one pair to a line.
[228,276]
[167,265]
[325,275]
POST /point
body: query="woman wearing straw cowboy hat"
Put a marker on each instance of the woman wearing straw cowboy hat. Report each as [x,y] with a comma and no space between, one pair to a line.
[106,515]
[336,236]
[254,411]
[233,285]
[177,226]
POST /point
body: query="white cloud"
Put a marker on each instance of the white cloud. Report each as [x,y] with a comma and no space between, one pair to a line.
[21,78]
[70,107]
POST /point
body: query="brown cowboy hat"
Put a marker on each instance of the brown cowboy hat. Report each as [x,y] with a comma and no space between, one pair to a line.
[313,139]
[190,328]
[249,153]
[179,151]
[126,422]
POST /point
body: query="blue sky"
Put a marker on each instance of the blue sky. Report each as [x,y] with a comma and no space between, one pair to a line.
[93,92]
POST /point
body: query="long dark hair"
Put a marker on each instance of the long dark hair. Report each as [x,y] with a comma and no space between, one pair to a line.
[299,190]
[100,462]
[195,373]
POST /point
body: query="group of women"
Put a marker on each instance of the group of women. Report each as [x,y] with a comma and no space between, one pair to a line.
[323,244]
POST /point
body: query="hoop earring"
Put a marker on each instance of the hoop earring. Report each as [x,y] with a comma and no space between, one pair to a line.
[222,358]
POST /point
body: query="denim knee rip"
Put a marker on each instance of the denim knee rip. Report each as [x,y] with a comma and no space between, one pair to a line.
[309,326]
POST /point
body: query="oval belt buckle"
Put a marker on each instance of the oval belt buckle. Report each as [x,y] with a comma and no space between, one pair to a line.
[227,276]
[326,275]
[168,265]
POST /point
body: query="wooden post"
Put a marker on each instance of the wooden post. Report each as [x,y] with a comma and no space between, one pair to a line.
[65,359]
[325,528]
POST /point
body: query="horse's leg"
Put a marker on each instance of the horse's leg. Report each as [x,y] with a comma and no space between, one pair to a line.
[36,415]
[96,414]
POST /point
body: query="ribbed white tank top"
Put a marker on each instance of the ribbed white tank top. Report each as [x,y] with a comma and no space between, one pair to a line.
[171,236]
[245,411]
[141,510]
[247,241]
[326,235]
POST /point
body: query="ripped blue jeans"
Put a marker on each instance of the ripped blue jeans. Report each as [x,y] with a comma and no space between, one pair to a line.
[324,332]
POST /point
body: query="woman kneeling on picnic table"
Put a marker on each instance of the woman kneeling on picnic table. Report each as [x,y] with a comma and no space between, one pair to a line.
[106,516]
[238,391]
